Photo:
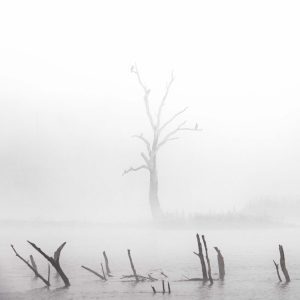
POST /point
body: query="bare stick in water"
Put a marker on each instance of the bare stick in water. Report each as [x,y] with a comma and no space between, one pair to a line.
[31,267]
[220,264]
[103,272]
[132,266]
[93,272]
[277,270]
[207,260]
[108,272]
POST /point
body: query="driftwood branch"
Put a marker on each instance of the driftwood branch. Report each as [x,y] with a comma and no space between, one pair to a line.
[32,267]
[277,270]
[221,264]
[207,260]
[283,265]
[54,261]
[94,272]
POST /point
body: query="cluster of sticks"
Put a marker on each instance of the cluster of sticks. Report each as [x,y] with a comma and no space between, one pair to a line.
[204,261]
[206,272]
[163,288]
[54,261]
[282,266]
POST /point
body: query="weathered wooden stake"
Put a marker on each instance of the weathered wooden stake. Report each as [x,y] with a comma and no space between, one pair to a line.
[282,264]
[163,287]
[169,288]
[221,264]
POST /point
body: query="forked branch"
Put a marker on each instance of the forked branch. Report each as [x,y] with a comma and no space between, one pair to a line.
[172,119]
[54,261]
[147,143]
[169,136]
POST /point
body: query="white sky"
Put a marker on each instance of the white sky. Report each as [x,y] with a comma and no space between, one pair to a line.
[69,105]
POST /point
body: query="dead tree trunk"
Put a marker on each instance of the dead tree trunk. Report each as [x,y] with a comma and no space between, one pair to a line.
[200,255]
[160,138]
[106,265]
[54,261]
[207,260]
[153,192]
[282,264]
[221,264]
[277,270]
[32,267]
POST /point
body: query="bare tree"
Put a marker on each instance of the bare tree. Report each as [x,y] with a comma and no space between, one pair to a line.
[160,136]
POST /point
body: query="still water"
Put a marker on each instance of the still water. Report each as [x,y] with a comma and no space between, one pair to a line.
[248,254]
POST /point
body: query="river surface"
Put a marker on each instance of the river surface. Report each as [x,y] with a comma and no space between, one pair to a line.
[248,254]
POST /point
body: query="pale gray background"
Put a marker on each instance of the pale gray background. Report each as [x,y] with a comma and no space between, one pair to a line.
[69,105]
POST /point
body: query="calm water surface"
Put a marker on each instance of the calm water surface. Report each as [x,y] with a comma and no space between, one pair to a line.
[250,273]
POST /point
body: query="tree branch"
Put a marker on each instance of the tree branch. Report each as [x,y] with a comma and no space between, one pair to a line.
[142,138]
[172,119]
[145,158]
[162,103]
[180,127]
[134,70]
[131,169]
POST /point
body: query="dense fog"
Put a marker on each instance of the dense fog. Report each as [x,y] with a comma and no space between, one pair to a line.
[69,106]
